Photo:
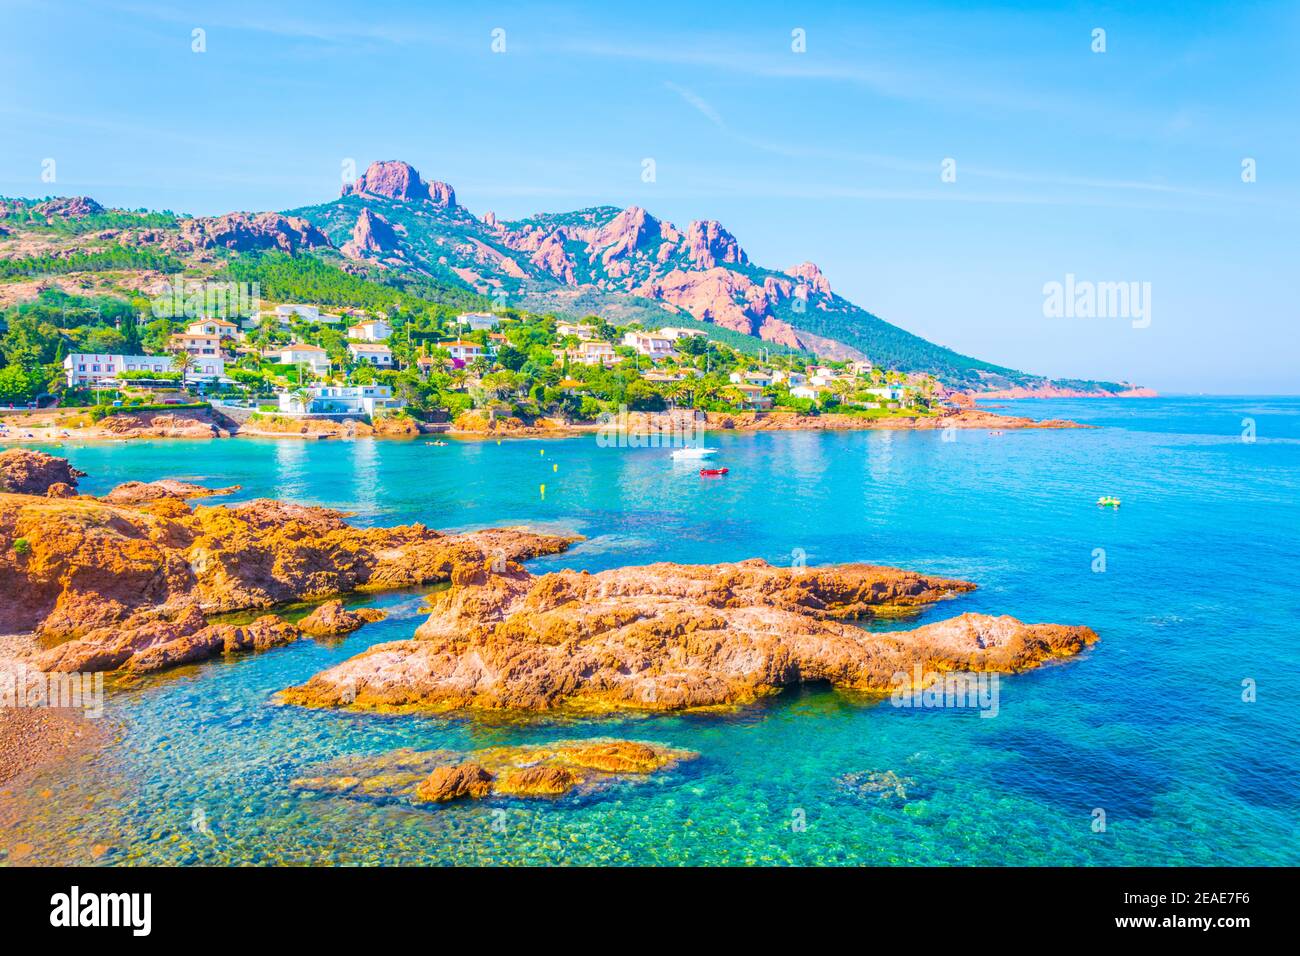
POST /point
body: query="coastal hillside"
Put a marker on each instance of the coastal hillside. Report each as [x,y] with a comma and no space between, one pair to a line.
[628,265]
[392,237]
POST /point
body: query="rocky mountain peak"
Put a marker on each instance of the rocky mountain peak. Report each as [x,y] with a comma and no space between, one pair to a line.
[247,231]
[810,274]
[394,179]
[627,232]
[69,207]
[708,243]
[371,235]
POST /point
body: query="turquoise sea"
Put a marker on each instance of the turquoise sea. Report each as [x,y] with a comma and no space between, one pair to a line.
[1199,594]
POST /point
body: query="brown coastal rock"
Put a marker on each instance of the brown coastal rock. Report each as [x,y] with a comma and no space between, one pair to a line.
[185,423]
[672,637]
[135,492]
[331,619]
[113,579]
[451,783]
[27,472]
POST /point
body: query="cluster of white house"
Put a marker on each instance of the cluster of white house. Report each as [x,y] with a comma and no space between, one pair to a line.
[207,340]
[816,383]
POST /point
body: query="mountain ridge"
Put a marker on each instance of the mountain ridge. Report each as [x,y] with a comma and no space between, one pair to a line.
[626,265]
[631,266]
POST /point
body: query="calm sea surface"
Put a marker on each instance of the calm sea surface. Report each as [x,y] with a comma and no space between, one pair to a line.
[1199,594]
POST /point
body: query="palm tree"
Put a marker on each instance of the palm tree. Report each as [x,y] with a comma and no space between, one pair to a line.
[303,396]
[183,362]
[841,388]
[706,391]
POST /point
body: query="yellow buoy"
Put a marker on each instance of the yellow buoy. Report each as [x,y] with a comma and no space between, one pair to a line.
[543,491]
[541,451]
[555,467]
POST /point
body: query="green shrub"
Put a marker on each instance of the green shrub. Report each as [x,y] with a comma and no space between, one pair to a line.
[22,546]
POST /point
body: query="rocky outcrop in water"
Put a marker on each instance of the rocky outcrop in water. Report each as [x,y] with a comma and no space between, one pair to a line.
[27,472]
[532,770]
[115,580]
[332,619]
[136,492]
[672,637]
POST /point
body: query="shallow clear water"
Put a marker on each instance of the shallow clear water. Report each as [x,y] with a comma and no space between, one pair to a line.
[1199,594]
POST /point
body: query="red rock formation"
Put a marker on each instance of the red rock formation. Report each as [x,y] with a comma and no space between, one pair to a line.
[670,637]
[372,235]
[451,783]
[190,423]
[812,277]
[393,179]
[68,207]
[707,244]
[122,578]
[245,231]
[28,472]
[136,492]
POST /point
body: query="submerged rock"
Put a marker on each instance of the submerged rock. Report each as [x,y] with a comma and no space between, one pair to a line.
[671,637]
[532,770]
[881,784]
[134,492]
[331,619]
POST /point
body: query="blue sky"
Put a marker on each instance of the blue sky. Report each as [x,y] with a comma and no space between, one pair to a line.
[1115,166]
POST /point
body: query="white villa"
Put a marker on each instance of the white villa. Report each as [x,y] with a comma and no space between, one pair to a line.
[889,393]
[673,333]
[791,379]
[371,353]
[752,377]
[808,391]
[194,342]
[371,330]
[651,344]
[341,400]
[593,353]
[477,320]
[584,332]
[308,313]
[463,351]
[823,377]
[300,353]
[87,369]
[218,328]
[753,397]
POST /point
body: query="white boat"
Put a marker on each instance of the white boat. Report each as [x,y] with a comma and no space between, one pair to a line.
[694,453]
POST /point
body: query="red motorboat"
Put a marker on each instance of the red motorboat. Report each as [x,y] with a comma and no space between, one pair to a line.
[712,472]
